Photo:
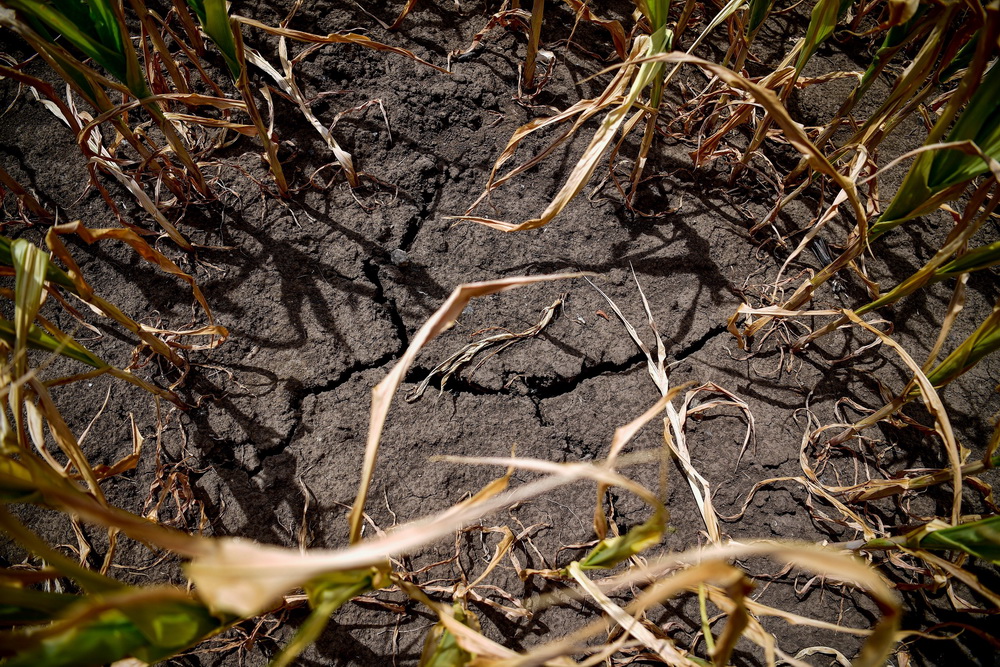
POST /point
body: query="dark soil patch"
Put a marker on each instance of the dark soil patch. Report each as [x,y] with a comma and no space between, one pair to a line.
[322,293]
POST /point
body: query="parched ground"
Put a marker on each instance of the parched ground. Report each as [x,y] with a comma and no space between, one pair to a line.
[324,291]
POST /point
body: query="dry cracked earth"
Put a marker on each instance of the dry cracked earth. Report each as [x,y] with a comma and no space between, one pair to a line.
[324,291]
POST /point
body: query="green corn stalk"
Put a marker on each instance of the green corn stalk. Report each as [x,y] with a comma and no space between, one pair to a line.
[979,538]
[109,622]
[29,281]
[939,175]
[83,81]
[980,259]
[825,16]
[225,32]
[930,25]
[150,630]
[983,341]
[984,257]
[941,266]
[895,39]
[327,594]
[97,29]
[32,269]
[756,13]
[660,41]
[28,605]
[613,550]
[53,273]
[94,28]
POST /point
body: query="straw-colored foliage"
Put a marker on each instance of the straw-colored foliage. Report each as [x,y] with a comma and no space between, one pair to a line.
[145,125]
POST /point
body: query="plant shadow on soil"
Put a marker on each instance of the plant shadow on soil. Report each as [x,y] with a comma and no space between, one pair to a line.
[323,292]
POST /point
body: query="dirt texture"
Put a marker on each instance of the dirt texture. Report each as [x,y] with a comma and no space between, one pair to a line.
[324,291]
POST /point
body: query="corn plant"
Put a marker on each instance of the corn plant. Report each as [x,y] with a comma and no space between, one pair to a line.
[640,75]
[15,256]
[940,175]
[963,144]
[225,32]
[981,342]
[97,29]
[942,266]
[979,538]
[236,579]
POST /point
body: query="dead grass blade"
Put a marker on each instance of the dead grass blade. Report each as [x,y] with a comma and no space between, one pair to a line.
[453,364]
[675,421]
[383,393]
[335,38]
[664,648]
[410,4]
[623,435]
[934,406]
[83,290]
[287,83]
[245,577]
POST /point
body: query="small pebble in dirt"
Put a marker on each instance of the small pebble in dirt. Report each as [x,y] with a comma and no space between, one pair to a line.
[399,257]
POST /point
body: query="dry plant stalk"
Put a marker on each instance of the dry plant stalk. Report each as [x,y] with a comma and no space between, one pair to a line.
[453,364]
[237,578]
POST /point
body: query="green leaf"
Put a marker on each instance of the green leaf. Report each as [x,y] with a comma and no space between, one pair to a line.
[614,550]
[214,20]
[976,538]
[934,172]
[53,273]
[895,38]
[16,482]
[20,605]
[981,342]
[30,265]
[822,23]
[756,15]
[150,631]
[327,594]
[171,626]
[978,259]
[38,339]
[441,649]
[77,23]
[962,59]
[980,123]
[93,27]
[106,640]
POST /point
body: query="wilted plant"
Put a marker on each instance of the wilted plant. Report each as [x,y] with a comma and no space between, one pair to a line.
[940,175]
[639,75]
[235,579]
[225,32]
[97,29]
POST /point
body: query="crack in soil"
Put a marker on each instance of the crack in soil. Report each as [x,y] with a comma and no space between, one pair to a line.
[543,388]
[696,345]
[416,224]
[371,271]
[299,397]
[540,388]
